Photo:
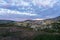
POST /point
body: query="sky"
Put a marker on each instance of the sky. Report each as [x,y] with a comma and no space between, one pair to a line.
[20,10]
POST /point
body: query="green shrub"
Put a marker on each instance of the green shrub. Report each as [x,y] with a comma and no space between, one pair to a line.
[47,37]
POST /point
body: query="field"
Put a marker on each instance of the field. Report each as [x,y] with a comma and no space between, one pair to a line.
[16,33]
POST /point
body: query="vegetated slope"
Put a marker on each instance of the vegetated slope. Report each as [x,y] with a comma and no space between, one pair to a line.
[26,33]
[5,23]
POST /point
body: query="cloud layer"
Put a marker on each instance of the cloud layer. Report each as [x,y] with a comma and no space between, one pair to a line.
[7,11]
[30,8]
[45,3]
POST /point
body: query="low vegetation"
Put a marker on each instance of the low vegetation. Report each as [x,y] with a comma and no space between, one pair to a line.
[47,37]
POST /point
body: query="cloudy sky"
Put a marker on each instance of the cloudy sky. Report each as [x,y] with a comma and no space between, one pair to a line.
[29,9]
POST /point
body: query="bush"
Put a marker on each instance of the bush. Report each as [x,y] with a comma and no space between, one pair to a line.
[47,37]
[12,34]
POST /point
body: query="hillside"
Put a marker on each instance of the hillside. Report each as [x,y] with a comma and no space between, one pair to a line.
[39,24]
[5,23]
[29,22]
[30,29]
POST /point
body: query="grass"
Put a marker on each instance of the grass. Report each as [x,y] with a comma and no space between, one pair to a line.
[47,37]
[8,33]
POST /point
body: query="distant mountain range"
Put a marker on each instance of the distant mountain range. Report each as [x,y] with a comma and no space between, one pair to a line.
[39,22]
[55,19]
[5,21]
[46,20]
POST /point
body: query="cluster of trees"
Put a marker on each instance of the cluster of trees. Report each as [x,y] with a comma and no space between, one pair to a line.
[55,27]
[9,24]
[23,24]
